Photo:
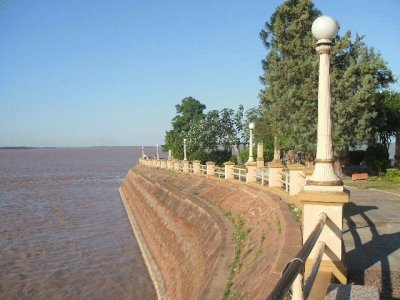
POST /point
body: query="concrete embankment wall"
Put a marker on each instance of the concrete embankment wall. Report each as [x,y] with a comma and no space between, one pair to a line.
[188,244]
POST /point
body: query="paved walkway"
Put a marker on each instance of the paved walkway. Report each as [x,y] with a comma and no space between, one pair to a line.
[371,234]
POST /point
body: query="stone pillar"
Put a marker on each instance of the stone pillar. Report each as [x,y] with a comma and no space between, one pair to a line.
[163,164]
[229,165]
[176,165]
[185,166]
[170,164]
[330,203]
[274,176]
[210,168]
[308,171]
[297,181]
[196,167]
[260,155]
[169,154]
[184,149]
[251,171]
[277,150]
[251,127]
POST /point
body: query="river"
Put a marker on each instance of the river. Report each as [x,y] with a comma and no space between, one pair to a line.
[64,233]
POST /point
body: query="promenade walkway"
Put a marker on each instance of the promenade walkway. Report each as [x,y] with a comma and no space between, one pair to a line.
[371,234]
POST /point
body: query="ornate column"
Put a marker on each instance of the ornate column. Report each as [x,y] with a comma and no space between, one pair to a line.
[184,149]
[169,154]
[260,155]
[324,191]
[251,127]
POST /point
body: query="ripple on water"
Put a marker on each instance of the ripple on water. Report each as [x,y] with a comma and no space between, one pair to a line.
[64,233]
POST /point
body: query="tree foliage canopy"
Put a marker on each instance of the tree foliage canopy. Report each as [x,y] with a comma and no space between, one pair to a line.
[213,132]
[290,77]
[189,111]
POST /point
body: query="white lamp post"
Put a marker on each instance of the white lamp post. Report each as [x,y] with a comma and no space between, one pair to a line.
[142,152]
[324,178]
[158,155]
[251,127]
[184,149]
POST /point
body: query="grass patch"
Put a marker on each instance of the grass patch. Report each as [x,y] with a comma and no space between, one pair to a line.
[239,237]
[296,213]
[277,224]
[387,182]
[259,252]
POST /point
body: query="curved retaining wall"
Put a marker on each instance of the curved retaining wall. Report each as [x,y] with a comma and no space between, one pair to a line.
[187,242]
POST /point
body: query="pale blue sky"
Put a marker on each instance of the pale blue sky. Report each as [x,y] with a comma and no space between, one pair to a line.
[90,73]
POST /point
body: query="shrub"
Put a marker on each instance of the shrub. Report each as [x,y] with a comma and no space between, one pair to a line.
[392,175]
[217,156]
[356,157]
[377,158]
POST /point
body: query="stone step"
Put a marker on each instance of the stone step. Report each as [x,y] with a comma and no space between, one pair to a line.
[350,291]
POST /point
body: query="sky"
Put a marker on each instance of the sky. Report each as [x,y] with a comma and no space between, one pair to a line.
[109,73]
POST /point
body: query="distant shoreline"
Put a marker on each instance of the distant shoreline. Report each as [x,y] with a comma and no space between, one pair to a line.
[66,147]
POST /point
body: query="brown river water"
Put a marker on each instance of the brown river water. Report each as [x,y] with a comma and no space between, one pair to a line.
[64,232]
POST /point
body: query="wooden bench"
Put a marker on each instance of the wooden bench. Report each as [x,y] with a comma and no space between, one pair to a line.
[359,176]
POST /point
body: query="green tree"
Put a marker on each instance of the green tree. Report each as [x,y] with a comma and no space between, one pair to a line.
[388,125]
[219,130]
[262,130]
[358,76]
[233,130]
[189,112]
[388,121]
[202,135]
[290,77]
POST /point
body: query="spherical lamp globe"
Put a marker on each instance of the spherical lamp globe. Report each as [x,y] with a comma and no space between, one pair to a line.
[324,27]
[251,125]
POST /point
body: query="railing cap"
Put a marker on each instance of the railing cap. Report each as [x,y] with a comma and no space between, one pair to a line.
[275,164]
[229,163]
[210,163]
[296,166]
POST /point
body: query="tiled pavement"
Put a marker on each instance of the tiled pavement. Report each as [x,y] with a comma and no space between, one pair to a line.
[371,234]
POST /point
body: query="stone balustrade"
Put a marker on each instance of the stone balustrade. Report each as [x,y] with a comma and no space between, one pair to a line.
[270,175]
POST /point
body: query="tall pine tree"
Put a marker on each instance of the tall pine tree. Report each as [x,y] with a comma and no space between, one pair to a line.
[290,77]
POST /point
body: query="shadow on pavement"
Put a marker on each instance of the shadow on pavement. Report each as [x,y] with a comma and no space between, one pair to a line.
[370,248]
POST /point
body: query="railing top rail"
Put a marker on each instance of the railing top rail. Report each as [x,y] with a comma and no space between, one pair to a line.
[296,265]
